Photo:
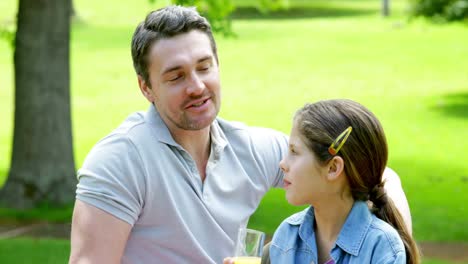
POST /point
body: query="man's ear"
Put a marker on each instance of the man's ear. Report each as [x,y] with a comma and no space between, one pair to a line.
[335,168]
[145,89]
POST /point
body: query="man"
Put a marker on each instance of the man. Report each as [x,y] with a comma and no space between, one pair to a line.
[173,184]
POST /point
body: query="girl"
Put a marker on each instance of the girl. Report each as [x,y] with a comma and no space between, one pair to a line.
[337,155]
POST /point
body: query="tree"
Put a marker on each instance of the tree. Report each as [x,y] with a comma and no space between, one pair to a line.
[42,166]
[385,8]
[441,10]
[218,11]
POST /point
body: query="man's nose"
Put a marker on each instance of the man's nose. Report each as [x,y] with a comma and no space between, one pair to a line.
[196,85]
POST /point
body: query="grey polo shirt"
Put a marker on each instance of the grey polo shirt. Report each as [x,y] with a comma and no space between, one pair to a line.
[139,174]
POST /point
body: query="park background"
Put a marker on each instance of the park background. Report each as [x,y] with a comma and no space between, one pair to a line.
[413,74]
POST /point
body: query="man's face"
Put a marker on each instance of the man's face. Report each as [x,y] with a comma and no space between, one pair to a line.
[184,81]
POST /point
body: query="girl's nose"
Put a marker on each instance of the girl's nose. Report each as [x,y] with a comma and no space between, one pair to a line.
[282,165]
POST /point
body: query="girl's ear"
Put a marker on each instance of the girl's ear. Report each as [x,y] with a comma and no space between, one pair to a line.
[335,168]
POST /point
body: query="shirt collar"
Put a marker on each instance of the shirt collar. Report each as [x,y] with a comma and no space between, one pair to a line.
[305,220]
[159,129]
[218,140]
[355,228]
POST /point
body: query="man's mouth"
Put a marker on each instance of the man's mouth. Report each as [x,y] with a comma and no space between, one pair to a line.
[198,103]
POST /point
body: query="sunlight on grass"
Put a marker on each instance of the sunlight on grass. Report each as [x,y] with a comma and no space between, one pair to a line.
[412,75]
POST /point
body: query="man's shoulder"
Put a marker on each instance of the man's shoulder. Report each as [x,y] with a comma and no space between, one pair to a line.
[236,128]
[229,126]
[123,138]
[133,121]
[131,128]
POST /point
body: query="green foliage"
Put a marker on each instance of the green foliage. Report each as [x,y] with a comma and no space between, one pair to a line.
[218,11]
[266,6]
[458,10]
[7,33]
[441,10]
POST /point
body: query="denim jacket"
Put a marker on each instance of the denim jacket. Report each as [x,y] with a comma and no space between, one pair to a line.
[363,239]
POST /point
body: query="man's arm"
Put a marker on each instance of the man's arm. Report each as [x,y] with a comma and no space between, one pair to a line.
[395,191]
[97,236]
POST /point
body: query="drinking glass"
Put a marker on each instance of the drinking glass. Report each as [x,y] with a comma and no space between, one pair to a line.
[249,246]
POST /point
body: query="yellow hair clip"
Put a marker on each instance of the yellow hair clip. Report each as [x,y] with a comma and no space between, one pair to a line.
[340,140]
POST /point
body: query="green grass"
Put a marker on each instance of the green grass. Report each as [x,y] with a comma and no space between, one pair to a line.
[411,75]
[25,250]
[436,261]
[40,213]
[30,250]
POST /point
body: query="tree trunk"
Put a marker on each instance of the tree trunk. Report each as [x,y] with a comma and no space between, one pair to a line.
[385,8]
[72,8]
[42,166]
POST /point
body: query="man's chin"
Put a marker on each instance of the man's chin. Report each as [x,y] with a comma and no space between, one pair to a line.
[198,124]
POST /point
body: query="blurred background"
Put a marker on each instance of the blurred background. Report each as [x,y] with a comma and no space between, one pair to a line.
[407,61]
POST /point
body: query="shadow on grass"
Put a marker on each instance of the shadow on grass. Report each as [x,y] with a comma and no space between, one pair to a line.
[3,176]
[455,105]
[41,213]
[298,12]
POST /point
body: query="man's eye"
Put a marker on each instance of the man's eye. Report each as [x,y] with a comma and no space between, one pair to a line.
[204,67]
[175,78]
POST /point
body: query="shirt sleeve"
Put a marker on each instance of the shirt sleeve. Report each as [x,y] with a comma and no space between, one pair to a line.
[271,147]
[397,194]
[112,178]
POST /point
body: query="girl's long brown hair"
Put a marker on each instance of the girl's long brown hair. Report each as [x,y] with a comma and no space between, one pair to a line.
[365,154]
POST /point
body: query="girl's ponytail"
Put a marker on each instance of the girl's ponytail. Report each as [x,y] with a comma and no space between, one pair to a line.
[384,208]
[325,125]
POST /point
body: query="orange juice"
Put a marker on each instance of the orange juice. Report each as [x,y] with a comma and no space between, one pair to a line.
[247,260]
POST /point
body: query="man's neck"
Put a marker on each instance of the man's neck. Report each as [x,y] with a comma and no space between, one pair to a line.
[198,144]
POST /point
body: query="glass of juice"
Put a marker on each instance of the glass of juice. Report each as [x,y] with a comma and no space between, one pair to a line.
[249,246]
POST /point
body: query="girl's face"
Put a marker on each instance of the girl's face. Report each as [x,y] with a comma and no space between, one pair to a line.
[305,178]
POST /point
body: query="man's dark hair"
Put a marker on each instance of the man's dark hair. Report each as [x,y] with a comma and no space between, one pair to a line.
[164,23]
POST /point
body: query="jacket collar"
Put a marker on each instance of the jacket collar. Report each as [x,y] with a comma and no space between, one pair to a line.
[355,228]
[352,234]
